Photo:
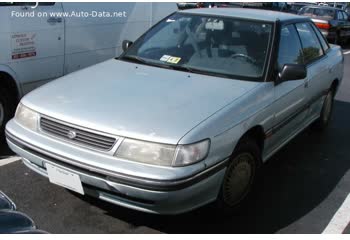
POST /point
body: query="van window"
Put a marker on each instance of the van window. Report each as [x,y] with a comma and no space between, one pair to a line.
[290,48]
[312,49]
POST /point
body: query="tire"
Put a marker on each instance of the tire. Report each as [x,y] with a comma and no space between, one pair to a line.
[326,113]
[240,177]
[7,108]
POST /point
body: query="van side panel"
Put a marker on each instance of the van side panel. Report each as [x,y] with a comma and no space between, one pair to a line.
[90,40]
[95,39]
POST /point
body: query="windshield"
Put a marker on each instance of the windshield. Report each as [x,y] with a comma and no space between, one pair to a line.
[206,44]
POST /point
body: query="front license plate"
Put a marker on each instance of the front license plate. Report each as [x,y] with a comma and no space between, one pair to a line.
[64,178]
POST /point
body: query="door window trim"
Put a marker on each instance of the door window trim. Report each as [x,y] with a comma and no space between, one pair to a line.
[315,59]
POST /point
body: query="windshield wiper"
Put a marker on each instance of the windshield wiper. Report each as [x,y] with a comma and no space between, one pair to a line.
[137,59]
[134,59]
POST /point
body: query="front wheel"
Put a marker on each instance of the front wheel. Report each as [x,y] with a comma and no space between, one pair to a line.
[240,177]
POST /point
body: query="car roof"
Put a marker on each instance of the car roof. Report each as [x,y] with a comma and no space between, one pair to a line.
[252,14]
[323,7]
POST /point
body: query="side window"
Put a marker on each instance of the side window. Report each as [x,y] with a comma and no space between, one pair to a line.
[346,17]
[323,41]
[340,16]
[311,46]
[289,49]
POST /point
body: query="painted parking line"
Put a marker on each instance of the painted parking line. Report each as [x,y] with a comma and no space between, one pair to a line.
[346,52]
[341,219]
[6,161]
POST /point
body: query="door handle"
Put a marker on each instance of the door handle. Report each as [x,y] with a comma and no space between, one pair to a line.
[306,84]
[54,20]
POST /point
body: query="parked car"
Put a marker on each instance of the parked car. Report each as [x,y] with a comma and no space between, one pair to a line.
[296,6]
[36,49]
[187,5]
[334,23]
[13,222]
[186,115]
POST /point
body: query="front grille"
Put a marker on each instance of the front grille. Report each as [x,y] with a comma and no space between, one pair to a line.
[76,135]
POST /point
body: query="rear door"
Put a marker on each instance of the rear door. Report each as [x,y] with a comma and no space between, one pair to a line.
[36,42]
[318,68]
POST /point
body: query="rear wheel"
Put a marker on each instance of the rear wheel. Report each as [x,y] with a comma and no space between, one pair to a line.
[240,177]
[326,112]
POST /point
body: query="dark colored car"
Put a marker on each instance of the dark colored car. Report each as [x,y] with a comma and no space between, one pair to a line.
[187,5]
[13,222]
[272,6]
[333,22]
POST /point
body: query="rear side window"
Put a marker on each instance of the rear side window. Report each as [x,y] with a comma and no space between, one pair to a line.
[323,41]
[290,48]
[312,49]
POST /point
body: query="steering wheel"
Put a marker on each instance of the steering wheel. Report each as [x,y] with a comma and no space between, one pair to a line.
[241,55]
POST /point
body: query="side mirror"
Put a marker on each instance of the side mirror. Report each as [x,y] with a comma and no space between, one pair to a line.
[126,44]
[292,72]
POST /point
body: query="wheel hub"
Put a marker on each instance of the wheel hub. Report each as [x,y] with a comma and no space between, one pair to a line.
[238,179]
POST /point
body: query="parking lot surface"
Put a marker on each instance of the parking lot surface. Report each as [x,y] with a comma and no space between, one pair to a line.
[303,190]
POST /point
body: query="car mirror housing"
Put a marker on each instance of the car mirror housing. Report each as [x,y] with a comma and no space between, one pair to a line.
[126,44]
[292,72]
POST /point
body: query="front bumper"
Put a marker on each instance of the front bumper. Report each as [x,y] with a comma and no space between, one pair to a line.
[159,196]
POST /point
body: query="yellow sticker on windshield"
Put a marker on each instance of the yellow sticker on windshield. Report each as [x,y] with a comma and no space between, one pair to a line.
[170,59]
[174,60]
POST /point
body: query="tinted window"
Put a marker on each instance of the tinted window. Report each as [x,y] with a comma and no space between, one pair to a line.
[290,49]
[323,41]
[311,46]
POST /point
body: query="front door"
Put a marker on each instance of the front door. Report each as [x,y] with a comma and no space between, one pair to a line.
[290,95]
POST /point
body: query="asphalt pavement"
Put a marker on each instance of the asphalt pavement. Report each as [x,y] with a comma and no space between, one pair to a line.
[301,190]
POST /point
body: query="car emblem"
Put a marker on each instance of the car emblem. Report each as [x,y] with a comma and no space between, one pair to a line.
[71,134]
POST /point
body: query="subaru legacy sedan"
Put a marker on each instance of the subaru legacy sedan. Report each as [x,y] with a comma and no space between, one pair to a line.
[186,115]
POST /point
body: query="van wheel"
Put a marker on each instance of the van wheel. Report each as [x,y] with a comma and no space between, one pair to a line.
[326,112]
[6,111]
[240,176]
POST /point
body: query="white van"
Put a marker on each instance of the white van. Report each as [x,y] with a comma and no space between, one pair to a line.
[44,42]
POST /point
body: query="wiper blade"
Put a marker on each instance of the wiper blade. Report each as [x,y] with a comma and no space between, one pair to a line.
[134,59]
[143,61]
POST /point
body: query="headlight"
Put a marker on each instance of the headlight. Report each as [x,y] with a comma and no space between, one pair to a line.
[162,154]
[27,117]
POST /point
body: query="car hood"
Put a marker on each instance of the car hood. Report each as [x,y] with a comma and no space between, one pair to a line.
[136,101]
